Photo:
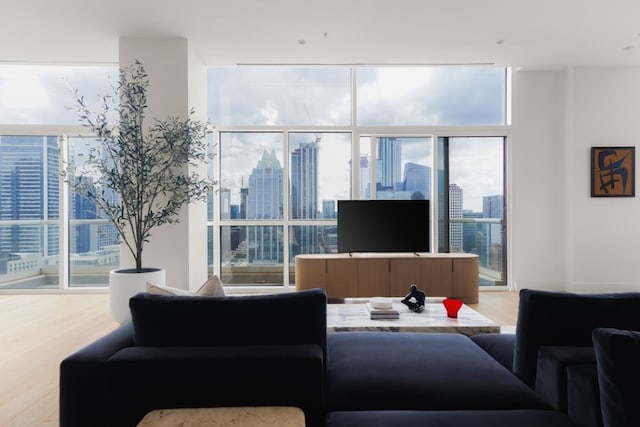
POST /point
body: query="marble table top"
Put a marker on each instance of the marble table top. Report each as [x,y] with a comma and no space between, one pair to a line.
[257,416]
[354,316]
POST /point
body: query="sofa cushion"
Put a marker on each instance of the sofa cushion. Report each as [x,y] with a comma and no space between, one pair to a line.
[618,356]
[287,318]
[551,375]
[499,346]
[583,396]
[507,418]
[392,370]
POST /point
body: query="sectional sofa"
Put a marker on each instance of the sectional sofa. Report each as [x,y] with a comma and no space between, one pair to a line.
[553,349]
[273,350]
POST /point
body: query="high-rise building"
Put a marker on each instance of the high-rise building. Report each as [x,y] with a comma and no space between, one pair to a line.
[455,212]
[389,163]
[264,201]
[329,209]
[365,179]
[304,181]
[493,207]
[29,190]
[108,236]
[304,196]
[84,235]
[417,180]
[225,232]
[264,196]
[470,232]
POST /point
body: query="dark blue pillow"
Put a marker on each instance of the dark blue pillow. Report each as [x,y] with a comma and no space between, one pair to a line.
[618,357]
[190,321]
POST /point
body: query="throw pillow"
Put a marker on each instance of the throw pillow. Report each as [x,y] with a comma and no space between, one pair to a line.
[617,354]
[152,288]
[211,288]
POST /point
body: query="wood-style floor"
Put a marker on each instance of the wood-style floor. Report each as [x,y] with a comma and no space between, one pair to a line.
[38,331]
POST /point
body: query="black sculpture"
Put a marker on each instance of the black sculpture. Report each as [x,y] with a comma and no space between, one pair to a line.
[415,299]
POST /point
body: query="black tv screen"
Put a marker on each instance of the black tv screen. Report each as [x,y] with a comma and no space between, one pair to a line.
[383,226]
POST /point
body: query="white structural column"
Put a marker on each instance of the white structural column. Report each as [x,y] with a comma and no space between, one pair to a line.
[177,85]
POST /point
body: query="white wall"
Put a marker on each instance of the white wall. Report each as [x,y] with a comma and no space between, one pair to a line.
[562,238]
[605,110]
[535,194]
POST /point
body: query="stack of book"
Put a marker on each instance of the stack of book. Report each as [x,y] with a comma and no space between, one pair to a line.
[382,313]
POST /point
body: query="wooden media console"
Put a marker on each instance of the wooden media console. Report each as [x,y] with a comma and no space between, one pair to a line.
[390,274]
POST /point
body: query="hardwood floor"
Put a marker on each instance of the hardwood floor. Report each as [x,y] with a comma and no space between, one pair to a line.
[38,331]
[499,306]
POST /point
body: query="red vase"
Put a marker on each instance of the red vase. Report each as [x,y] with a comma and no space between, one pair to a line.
[452,305]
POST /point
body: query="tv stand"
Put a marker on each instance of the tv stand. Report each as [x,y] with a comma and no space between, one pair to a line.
[352,275]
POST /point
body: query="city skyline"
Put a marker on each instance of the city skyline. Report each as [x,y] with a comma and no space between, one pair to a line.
[264,199]
[264,105]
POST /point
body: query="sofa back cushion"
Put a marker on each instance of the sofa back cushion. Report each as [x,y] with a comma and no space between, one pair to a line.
[192,321]
[565,319]
[618,356]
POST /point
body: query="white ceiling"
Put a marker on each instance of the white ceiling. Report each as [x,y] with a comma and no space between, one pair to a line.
[532,34]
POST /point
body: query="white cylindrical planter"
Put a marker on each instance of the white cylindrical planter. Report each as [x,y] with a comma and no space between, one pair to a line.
[125,283]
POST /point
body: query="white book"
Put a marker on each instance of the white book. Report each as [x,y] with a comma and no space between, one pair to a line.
[387,313]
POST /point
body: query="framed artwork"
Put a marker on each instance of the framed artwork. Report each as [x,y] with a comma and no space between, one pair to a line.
[613,171]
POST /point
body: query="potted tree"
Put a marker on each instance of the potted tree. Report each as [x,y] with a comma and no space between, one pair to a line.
[137,174]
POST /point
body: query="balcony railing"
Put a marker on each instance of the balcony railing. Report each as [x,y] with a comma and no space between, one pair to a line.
[39,264]
[32,254]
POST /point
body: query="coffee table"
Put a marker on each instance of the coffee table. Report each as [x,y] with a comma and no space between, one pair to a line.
[352,315]
[256,416]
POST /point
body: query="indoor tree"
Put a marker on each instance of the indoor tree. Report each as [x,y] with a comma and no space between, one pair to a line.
[146,164]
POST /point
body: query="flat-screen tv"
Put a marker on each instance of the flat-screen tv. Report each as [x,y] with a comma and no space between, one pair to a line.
[383,226]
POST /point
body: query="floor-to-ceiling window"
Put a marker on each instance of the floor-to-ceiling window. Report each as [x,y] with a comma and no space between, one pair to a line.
[291,142]
[472,204]
[49,239]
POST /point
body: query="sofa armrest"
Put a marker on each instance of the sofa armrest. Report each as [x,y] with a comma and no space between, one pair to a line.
[565,319]
[82,379]
[142,379]
[551,373]
[499,346]
[583,395]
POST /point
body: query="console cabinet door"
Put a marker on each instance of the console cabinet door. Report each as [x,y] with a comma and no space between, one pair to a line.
[342,278]
[310,273]
[403,274]
[437,277]
[373,278]
[465,279]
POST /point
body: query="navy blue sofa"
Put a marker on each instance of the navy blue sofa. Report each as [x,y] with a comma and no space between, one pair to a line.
[274,350]
[190,352]
[553,349]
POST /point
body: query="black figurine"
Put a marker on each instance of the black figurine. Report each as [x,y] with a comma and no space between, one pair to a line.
[415,299]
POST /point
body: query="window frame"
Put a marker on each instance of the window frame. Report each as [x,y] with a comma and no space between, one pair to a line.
[356,131]
[433,132]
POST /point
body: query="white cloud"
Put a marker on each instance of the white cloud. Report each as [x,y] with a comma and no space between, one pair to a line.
[22,93]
